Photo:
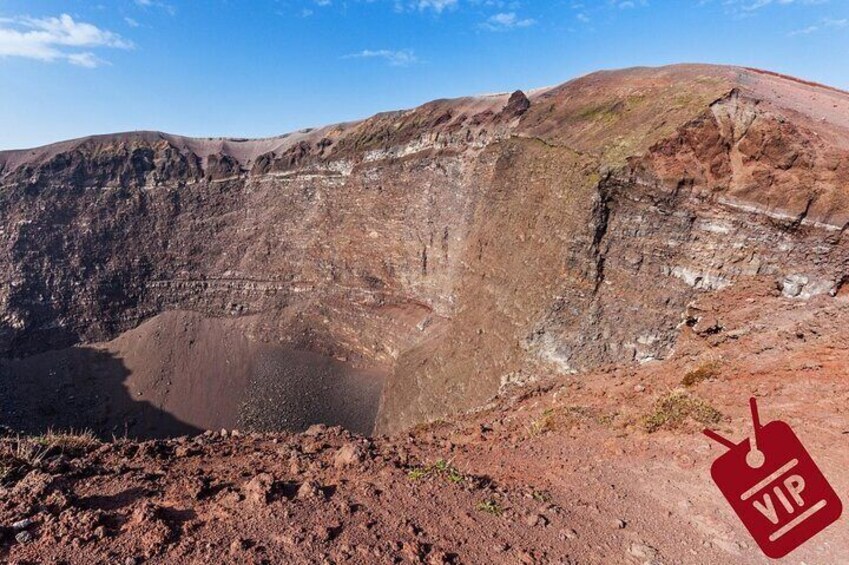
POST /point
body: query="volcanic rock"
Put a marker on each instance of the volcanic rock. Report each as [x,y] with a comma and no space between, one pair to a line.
[258,489]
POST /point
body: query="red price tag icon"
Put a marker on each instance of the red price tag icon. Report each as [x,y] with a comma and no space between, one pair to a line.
[774,486]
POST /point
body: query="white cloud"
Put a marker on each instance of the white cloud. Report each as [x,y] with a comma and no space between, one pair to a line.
[87,60]
[402,6]
[804,31]
[400,58]
[56,39]
[435,5]
[825,23]
[752,5]
[748,7]
[505,21]
[168,8]
[741,9]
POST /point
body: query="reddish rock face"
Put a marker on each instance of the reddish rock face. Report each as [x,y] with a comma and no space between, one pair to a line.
[455,247]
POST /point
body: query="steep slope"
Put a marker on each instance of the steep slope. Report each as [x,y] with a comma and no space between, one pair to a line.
[456,246]
[604,467]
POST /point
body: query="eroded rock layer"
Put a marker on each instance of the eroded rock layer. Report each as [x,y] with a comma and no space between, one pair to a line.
[456,246]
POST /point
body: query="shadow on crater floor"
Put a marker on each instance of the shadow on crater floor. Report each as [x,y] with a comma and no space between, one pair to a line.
[179,374]
[75,389]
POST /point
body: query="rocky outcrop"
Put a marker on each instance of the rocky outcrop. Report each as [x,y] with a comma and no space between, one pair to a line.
[517,105]
[456,245]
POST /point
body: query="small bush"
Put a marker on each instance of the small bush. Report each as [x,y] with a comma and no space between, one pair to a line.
[705,372]
[543,424]
[675,408]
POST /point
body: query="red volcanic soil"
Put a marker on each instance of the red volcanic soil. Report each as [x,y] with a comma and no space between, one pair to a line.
[580,469]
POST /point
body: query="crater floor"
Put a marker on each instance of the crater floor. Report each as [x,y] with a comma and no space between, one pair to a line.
[180,374]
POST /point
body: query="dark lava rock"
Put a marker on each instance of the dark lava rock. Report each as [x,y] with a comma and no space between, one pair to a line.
[517,105]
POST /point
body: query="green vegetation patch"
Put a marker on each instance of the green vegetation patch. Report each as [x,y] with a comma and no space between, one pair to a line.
[441,468]
[490,507]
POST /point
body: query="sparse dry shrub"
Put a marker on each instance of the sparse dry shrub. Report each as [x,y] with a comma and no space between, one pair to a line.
[672,410]
[703,373]
[545,423]
[68,442]
[18,455]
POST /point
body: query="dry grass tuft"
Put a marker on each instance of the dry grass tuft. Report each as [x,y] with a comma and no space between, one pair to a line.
[672,410]
[69,441]
[543,424]
[552,419]
[18,455]
[703,373]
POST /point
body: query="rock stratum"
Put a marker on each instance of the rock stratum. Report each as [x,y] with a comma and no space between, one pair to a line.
[532,304]
[411,264]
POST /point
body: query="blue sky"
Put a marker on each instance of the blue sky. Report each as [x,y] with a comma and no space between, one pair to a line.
[264,67]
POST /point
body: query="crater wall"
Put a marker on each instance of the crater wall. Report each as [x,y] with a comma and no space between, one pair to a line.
[452,248]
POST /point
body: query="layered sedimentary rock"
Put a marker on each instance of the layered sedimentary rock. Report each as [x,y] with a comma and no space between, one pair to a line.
[456,246]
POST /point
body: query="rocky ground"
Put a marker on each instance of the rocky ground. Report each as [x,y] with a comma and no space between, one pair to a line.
[605,467]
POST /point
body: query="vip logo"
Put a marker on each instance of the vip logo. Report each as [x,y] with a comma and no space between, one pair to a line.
[774,486]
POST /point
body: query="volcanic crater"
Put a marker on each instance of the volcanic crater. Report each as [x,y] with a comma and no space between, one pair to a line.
[393,271]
